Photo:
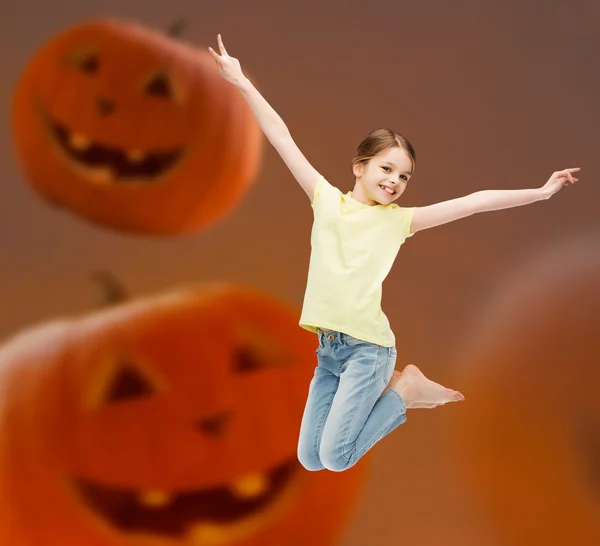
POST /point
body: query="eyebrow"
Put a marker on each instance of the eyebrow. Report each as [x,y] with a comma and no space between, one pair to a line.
[390,163]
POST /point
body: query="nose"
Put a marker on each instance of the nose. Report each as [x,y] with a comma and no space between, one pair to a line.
[214,424]
[105,106]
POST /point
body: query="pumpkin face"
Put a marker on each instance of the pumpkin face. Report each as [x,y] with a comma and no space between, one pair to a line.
[529,434]
[133,130]
[167,421]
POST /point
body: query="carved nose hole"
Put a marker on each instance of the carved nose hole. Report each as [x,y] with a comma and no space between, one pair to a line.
[106,106]
[214,425]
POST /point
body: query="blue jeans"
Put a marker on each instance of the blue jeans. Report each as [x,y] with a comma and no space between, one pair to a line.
[345,413]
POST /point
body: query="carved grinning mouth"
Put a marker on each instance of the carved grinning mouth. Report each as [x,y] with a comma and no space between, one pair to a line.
[104,165]
[208,516]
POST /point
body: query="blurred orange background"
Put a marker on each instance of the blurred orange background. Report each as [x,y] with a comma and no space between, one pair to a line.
[492,95]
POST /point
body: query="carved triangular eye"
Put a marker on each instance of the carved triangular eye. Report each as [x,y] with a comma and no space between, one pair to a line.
[257,349]
[90,63]
[245,360]
[128,383]
[159,86]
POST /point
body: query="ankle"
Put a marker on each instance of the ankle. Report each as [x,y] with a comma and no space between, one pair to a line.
[404,390]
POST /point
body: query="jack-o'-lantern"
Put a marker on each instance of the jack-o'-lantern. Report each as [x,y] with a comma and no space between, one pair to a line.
[528,436]
[170,420]
[134,130]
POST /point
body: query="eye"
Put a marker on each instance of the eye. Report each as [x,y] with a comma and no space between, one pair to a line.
[128,382]
[245,360]
[405,178]
[83,60]
[89,64]
[255,351]
[388,169]
[159,86]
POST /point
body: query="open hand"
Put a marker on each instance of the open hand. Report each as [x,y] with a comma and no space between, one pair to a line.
[558,180]
[229,67]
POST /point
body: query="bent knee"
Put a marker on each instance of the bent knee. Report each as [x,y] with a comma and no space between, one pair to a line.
[334,460]
[310,461]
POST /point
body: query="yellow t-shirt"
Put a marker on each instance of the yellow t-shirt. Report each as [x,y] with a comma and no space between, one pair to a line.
[353,249]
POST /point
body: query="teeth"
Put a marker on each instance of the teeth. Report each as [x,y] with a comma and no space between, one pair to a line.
[249,486]
[390,191]
[204,534]
[154,498]
[79,141]
[136,155]
[102,175]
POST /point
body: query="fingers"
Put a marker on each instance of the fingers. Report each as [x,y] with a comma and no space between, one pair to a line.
[566,174]
[222,49]
[564,171]
[221,46]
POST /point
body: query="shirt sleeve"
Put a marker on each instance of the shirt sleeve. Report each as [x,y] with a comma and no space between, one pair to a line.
[321,187]
[406,215]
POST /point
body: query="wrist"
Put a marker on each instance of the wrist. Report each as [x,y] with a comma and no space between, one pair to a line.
[243,84]
[543,193]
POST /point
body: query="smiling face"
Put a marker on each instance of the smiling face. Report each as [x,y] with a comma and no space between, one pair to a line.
[162,94]
[133,130]
[383,179]
[171,421]
[528,438]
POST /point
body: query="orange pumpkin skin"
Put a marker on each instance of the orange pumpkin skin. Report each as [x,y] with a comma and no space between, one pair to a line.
[528,435]
[133,130]
[167,421]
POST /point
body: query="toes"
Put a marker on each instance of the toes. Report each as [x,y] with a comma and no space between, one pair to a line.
[457,397]
[451,395]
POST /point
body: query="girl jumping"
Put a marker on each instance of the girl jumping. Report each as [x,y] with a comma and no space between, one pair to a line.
[355,397]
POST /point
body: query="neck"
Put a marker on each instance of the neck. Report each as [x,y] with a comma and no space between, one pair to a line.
[359,194]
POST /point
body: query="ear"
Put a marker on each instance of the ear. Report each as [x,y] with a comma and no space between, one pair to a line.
[357,169]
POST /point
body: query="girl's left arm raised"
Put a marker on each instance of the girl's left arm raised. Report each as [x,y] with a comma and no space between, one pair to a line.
[487,200]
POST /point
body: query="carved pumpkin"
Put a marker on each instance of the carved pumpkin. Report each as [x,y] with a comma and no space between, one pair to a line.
[529,433]
[167,421]
[133,130]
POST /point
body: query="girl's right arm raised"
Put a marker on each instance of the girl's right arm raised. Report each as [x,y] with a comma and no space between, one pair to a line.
[270,122]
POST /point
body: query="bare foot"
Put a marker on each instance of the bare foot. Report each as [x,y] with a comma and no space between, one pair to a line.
[395,377]
[419,392]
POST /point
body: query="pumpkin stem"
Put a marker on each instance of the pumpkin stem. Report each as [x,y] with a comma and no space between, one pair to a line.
[114,291]
[176,29]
